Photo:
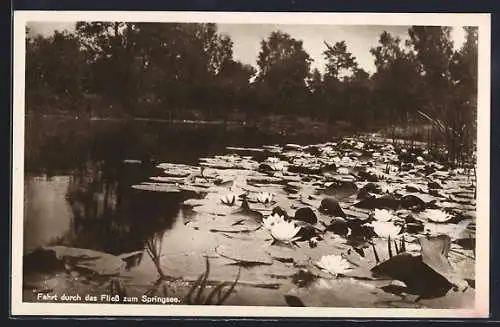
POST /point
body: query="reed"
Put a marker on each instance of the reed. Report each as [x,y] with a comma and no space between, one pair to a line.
[154,248]
[217,296]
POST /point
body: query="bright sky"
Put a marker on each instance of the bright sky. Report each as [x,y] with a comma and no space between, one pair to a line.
[247,38]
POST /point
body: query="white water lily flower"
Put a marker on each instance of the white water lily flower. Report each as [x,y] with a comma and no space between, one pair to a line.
[284,231]
[228,199]
[346,161]
[265,197]
[388,147]
[343,171]
[385,229]
[271,220]
[382,215]
[387,188]
[359,145]
[273,160]
[413,248]
[437,216]
[278,166]
[334,264]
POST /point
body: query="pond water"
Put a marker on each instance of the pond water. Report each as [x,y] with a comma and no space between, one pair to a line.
[78,176]
[100,185]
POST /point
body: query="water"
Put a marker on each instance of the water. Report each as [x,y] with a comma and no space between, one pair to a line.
[78,193]
[78,175]
[78,178]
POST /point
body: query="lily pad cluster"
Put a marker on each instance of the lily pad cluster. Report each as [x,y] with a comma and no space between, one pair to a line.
[316,207]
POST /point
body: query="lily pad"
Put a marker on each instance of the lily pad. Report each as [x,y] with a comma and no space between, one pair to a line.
[341,292]
[339,190]
[157,187]
[307,215]
[245,252]
[85,260]
[286,253]
[331,207]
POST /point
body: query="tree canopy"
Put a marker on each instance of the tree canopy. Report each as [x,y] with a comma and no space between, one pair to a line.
[188,71]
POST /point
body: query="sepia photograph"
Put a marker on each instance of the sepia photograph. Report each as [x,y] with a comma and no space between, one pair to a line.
[232,160]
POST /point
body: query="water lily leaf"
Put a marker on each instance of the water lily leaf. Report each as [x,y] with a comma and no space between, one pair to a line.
[310,200]
[339,190]
[131,259]
[286,253]
[197,189]
[434,185]
[435,253]
[233,226]
[361,265]
[265,180]
[245,252]
[305,169]
[293,301]
[415,188]
[383,202]
[338,225]
[215,208]
[86,260]
[240,220]
[307,215]
[455,231]
[452,300]
[167,179]
[341,292]
[157,187]
[364,175]
[413,201]
[371,188]
[418,276]
[331,206]
[293,187]
[194,202]
[292,146]
[132,161]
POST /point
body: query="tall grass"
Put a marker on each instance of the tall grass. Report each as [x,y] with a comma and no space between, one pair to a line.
[451,143]
[154,248]
[457,142]
[216,297]
[196,294]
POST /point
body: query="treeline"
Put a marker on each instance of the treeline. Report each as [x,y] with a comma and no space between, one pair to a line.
[187,71]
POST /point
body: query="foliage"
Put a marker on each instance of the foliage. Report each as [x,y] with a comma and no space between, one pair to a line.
[187,71]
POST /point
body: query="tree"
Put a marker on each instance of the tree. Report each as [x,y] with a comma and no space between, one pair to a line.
[434,51]
[109,51]
[54,70]
[340,68]
[340,63]
[397,81]
[284,66]
[450,85]
[464,70]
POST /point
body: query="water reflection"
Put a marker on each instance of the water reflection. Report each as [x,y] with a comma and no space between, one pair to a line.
[78,180]
[46,210]
[94,209]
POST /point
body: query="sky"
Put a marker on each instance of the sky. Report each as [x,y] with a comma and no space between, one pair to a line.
[247,38]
